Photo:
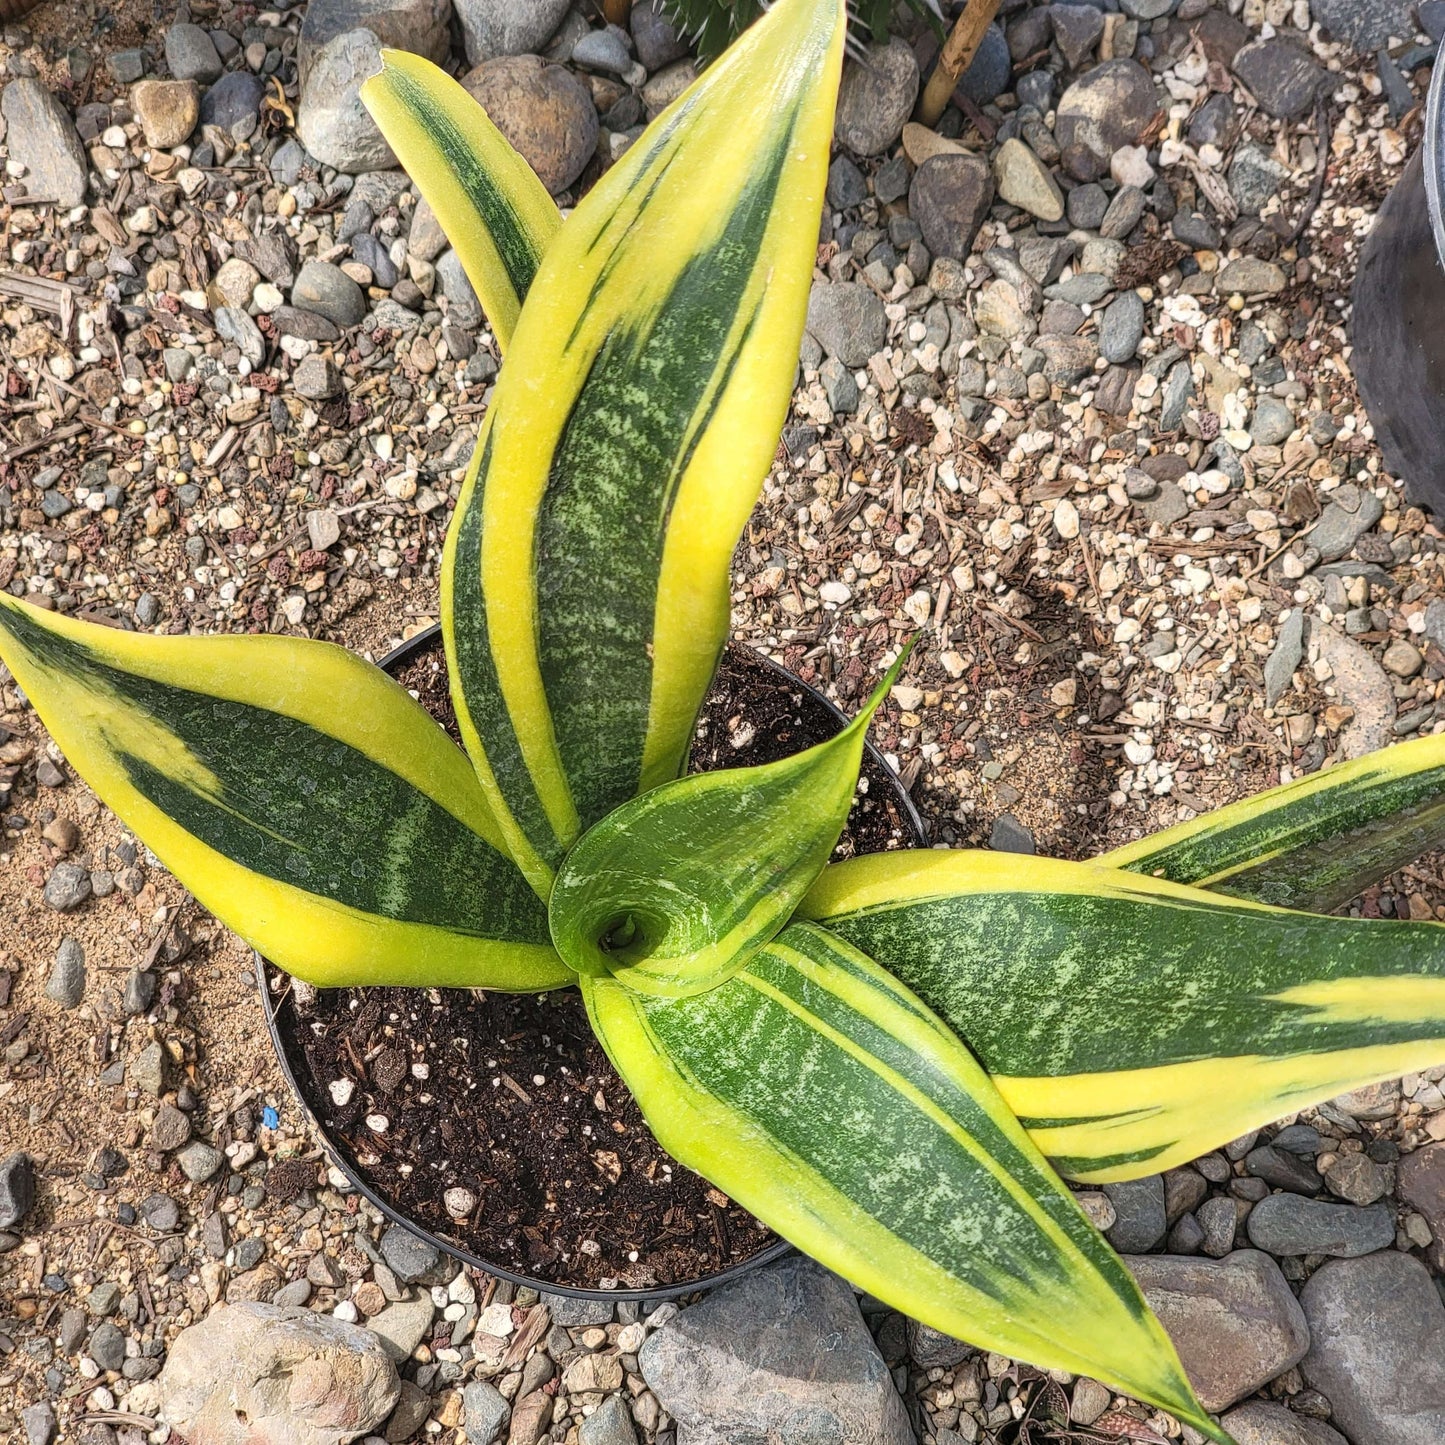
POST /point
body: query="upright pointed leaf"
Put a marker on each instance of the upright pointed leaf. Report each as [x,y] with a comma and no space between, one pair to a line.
[825,1097]
[489,201]
[674,891]
[1314,843]
[586,574]
[298,792]
[1134,1024]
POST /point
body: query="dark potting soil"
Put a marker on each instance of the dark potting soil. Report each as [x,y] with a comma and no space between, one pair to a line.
[511,1098]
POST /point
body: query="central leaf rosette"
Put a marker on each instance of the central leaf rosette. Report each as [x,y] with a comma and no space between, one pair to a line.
[674,892]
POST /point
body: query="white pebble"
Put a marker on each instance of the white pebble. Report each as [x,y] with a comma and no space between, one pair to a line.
[919,608]
[459,1202]
[1130,167]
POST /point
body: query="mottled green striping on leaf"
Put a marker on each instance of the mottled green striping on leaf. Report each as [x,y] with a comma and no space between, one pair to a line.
[655,142]
[1058,984]
[868,1140]
[1316,852]
[1327,873]
[519,257]
[603,521]
[1073,1166]
[1040,1121]
[312,811]
[472,660]
[817,1091]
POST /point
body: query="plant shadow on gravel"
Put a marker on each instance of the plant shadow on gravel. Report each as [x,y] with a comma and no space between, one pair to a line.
[1057,772]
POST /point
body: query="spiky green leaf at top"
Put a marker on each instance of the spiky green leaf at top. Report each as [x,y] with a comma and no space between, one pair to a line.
[674,891]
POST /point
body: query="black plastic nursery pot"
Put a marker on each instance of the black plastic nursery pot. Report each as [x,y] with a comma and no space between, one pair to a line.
[1398,321]
[535,1165]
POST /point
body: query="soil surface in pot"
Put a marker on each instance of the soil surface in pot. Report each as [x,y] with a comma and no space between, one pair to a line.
[510,1098]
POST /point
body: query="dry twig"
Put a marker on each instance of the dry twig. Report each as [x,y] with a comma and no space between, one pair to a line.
[955,58]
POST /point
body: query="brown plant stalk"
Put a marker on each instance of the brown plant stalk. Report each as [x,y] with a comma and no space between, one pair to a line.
[955,58]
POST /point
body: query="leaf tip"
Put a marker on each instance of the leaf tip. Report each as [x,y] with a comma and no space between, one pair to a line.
[393,62]
[889,678]
[1182,1403]
[373,86]
[1211,1431]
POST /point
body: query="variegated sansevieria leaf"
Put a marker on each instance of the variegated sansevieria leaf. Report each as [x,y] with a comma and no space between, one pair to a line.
[1133,1024]
[1314,843]
[585,583]
[826,1098]
[489,201]
[673,892]
[304,798]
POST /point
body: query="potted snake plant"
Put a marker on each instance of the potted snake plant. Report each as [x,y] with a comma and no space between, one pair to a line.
[896,1061]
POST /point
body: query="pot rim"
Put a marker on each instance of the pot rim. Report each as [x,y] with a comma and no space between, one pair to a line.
[399,657]
[1435,155]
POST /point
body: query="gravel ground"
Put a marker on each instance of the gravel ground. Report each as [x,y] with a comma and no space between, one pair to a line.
[1109,454]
